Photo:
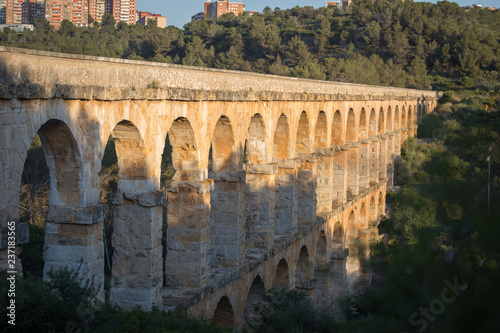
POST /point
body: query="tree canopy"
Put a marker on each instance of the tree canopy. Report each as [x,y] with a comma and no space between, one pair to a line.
[382,43]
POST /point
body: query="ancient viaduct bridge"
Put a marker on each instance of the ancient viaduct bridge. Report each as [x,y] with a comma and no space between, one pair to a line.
[279,182]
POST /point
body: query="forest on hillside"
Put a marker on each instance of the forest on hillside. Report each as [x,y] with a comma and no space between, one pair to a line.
[392,43]
[437,266]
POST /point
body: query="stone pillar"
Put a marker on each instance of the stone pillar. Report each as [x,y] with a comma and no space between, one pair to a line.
[397,144]
[306,179]
[373,227]
[364,164]
[404,135]
[286,195]
[227,220]
[352,266]
[390,160]
[382,165]
[374,157]
[20,232]
[324,279]
[339,165]
[260,203]
[74,239]
[136,273]
[364,259]
[338,273]
[352,170]
[324,177]
[323,274]
[188,233]
[412,131]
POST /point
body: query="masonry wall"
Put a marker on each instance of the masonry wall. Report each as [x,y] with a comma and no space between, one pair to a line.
[278,181]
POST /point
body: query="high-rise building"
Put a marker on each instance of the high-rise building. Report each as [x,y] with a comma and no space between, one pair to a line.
[40,8]
[3,11]
[75,11]
[21,11]
[29,8]
[220,7]
[97,8]
[122,10]
[14,12]
[17,11]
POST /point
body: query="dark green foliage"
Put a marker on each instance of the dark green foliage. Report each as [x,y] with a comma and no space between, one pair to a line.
[113,319]
[440,230]
[381,43]
[66,303]
[291,311]
[32,254]
[42,306]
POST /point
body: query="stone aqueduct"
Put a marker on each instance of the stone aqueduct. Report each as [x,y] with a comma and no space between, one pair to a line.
[289,198]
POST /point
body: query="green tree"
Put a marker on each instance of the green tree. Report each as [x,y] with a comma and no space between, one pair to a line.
[297,52]
[108,20]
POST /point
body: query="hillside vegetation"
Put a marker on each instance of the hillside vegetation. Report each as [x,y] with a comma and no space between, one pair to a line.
[383,43]
[438,266]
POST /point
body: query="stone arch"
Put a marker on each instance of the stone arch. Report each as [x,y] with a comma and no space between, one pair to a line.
[63,161]
[323,166]
[184,150]
[303,137]
[419,111]
[337,239]
[256,144]
[373,123]
[63,230]
[338,261]
[403,118]
[352,260]
[223,157]
[224,313]
[351,231]
[322,272]
[303,270]
[285,217]
[224,250]
[282,278]
[321,257]
[352,165]
[131,154]
[254,299]
[381,121]
[134,177]
[363,218]
[259,188]
[321,133]
[363,128]
[381,205]
[373,216]
[281,147]
[337,129]
[389,123]
[306,208]
[351,132]
[409,119]
[397,121]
